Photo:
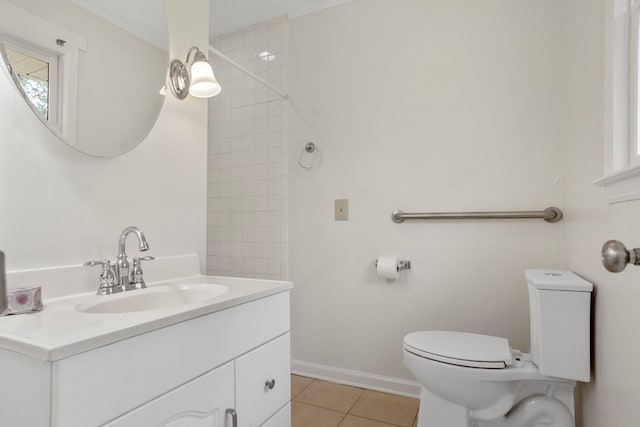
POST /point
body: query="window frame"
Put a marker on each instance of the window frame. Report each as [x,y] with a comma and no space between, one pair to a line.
[17,25]
[621,180]
[633,75]
[54,113]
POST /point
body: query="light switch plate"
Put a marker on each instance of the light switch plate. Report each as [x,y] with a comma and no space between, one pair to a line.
[342,209]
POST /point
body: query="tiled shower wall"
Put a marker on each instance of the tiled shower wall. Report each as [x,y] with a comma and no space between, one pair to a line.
[247,165]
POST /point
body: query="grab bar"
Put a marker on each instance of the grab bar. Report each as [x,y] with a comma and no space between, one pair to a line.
[551,214]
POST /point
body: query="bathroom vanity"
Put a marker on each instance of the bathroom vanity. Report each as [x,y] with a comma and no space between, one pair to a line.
[221,360]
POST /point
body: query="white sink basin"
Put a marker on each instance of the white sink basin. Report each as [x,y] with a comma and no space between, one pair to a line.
[153,298]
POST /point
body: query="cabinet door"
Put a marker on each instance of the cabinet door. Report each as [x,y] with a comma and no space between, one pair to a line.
[263,383]
[201,402]
[282,418]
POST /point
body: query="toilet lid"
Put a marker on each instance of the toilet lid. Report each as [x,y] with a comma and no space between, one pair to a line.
[460,348]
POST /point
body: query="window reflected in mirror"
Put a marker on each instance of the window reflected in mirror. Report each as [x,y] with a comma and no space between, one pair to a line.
[36,72]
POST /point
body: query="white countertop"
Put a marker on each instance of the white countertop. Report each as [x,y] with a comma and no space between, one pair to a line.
[60,330]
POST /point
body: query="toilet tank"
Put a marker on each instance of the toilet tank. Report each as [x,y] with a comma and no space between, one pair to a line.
[560,314]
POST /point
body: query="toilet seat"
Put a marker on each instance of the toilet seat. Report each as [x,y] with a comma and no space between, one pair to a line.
[460,348]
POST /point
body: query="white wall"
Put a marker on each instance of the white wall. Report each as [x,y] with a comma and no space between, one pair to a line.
[612,397]
[431,106]
[61,207]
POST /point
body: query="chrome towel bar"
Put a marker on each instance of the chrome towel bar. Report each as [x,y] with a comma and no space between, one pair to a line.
[551,214]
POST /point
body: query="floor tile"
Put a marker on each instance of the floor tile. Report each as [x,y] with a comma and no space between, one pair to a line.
[351,421]
[311,416]
[387,408]
[328,395]
[299,383]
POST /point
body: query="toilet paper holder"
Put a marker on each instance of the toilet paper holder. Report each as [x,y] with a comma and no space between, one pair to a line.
[401,265]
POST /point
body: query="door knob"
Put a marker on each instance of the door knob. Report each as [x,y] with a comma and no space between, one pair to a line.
[615,256]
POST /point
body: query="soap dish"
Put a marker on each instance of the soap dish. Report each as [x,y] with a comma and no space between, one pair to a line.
[24,300]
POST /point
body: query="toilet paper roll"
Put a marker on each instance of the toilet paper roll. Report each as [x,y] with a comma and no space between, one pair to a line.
[387,267]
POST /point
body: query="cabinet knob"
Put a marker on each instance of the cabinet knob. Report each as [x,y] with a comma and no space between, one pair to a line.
[270,384]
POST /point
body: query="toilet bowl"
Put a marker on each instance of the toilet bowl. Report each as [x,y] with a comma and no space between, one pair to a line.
[472,380]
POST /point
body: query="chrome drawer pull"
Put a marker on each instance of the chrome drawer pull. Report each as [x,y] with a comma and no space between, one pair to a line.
[234,416]
[270,384]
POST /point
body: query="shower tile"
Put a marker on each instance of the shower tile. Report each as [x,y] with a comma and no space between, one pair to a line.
[262,266]
[274,187]
[249,38]
[225,44]
[262,170]
[247,170]
[262,34]
[262,66]
[262,250]
[274,154]
[262,94]
[274,267]
[262,110]
[262,219]
[274,251]
[275,30]
[262,141]
[261,203]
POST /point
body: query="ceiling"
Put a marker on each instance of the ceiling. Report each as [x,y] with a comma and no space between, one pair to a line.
[145,18]
[232,15]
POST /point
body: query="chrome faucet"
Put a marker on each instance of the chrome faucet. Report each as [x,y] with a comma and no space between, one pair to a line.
[116,277]
[121,267]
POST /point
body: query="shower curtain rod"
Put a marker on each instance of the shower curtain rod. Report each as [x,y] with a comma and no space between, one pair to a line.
[233,63]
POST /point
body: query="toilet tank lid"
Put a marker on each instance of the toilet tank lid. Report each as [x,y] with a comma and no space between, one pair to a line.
[557,280]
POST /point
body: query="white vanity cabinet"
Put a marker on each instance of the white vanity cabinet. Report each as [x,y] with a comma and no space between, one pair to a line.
[183,374]
[262,389]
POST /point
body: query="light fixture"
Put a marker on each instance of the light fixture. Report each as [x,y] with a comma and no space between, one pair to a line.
[194,76]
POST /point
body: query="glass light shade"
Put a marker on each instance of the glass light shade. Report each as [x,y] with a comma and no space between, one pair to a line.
[203,82]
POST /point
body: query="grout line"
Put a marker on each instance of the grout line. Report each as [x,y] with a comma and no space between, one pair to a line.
[322,407]
[306,387]
[341,420]
[326,409]
[379,421]
[356,401]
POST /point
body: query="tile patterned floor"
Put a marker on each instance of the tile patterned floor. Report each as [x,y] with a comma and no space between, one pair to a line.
[317,403]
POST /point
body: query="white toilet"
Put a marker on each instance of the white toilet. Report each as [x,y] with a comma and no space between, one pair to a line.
[471,380]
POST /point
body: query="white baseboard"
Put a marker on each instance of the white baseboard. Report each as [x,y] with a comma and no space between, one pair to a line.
[356,378]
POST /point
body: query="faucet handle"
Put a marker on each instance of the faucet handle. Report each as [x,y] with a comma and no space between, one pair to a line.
[137,279]
[107,278]
[96,263]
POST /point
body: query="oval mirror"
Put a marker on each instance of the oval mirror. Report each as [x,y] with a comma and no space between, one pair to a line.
[93,71]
